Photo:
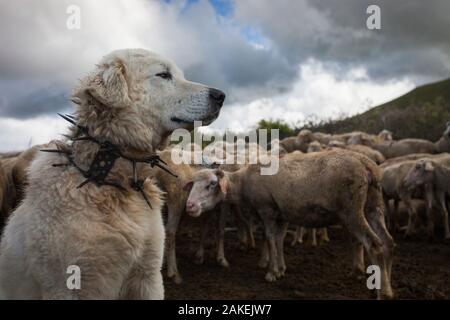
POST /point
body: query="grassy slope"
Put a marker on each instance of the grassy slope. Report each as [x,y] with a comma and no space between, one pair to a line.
[421,113]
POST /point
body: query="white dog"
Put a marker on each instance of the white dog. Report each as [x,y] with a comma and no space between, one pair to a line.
[134,100]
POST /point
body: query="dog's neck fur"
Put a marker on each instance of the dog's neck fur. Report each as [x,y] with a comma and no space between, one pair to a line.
[115,125]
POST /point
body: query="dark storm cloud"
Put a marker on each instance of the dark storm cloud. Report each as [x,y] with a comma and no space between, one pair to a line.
[44,101]
[414,39]
[414,43]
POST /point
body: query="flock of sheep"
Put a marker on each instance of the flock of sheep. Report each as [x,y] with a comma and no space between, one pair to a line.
[355,180]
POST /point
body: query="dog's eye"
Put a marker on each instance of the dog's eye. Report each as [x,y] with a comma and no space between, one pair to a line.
[164,75]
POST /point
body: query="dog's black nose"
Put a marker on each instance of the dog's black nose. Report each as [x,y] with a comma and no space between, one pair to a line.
[217,95]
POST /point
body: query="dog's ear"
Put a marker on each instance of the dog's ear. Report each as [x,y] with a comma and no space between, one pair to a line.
[110,86]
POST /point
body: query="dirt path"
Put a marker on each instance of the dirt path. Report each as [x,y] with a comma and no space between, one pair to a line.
[421,271]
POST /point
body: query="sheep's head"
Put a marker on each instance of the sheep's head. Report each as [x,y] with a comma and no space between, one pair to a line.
[447,130]
[206,190]
[385,135]
[305,136]
[315,146]
[420,174]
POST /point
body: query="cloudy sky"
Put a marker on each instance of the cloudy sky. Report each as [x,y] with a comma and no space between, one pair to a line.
[285,59]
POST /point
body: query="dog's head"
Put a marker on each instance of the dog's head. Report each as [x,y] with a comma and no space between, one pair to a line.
[152,87]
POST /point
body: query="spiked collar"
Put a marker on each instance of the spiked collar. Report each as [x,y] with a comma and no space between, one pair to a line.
[104,160]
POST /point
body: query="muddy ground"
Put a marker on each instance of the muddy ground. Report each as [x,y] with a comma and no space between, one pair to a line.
[421,270]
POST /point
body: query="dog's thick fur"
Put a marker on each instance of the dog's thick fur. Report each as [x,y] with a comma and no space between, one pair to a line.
[134,99]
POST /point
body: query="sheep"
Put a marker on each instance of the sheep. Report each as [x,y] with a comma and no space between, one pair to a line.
[374,155]
[176,198]
[385,135]
[3,195]
[394,188]
[300,232]
[291,144]
[409,157]
[276,148]
[10,199]
[428,172]
[14,179]
[443,144]
[392,149]
[335,187]
[315,146]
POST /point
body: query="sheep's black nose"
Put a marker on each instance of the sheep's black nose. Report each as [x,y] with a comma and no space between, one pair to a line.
[217,95]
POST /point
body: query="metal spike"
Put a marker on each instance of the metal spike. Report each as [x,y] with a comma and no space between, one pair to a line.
[60,164]
[54,151]
[81,185]
[166,170]
[75,100]
[145,197]
[66,136]
[72,121]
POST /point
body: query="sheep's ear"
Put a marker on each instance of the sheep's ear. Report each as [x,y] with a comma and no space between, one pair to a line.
[429,166]
[110,86]
[222,181]
[223,186]
[188,186]
[219,173]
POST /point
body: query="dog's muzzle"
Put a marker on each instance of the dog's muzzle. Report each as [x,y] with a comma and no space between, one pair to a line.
[215,102]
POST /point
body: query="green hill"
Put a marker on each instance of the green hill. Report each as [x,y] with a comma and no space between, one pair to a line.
[421,113]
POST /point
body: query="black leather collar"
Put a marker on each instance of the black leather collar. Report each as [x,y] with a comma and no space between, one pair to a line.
[104,161]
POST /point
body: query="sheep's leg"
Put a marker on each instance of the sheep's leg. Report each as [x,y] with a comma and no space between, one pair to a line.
[200,253]
[376,221]
[358,268]
[412,217]
[241,227]
[429,195]
[360,229]
[281,234]
[264,259]
[324,235]
[173,221]
[443,205]
[270,230]
[250,235]
[313,237]
[395,215]
[302,234]
[390,214]
[221,260]
[296,238]
[245,228]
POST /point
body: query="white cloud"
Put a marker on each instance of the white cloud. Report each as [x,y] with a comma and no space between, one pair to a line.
[316,92]
[16,135]
[249,55]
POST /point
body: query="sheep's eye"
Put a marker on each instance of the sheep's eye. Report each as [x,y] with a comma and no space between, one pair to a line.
[164,75]
[213,184]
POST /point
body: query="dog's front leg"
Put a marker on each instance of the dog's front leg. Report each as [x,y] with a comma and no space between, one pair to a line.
[145,280]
